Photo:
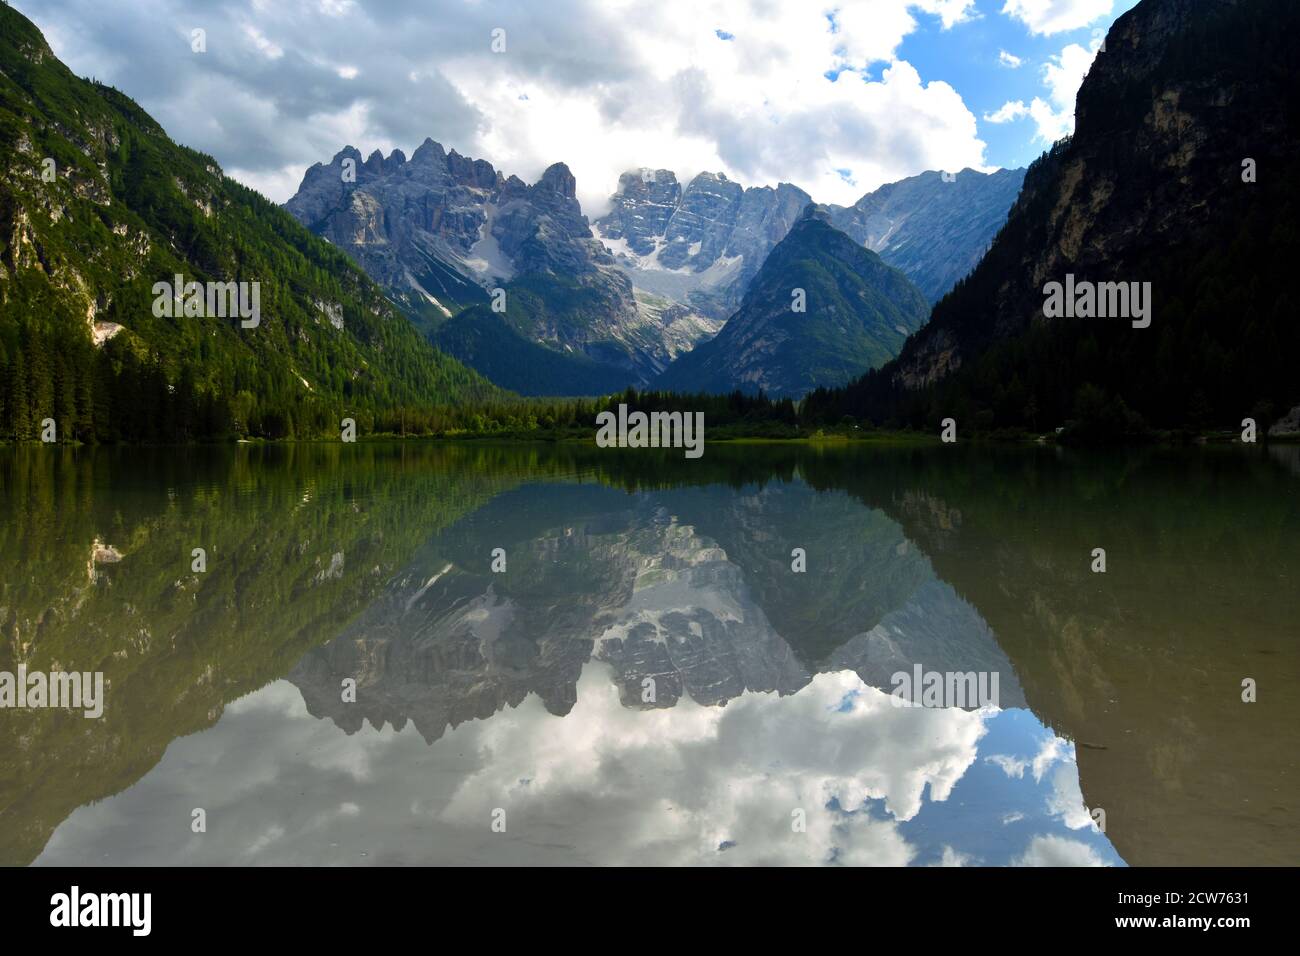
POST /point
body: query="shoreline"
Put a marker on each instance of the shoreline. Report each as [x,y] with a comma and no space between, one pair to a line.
[873,437]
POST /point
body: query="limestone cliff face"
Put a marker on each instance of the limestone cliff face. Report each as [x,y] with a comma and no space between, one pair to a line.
[440,231]
[639,212]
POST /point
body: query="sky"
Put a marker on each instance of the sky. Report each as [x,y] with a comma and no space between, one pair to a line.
[837,98]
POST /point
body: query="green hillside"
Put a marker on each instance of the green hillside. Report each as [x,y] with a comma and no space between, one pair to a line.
[97,205]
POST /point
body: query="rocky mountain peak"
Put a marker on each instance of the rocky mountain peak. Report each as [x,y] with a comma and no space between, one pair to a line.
[699,246]
[706,177]
[430,153]
[374,164]
[856,312]
[647,181]
[933,228]
[558,179]
[477,173]
[438,231]
[512,188]
[347,152]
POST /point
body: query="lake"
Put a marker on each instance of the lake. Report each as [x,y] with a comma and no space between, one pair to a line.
[423,653]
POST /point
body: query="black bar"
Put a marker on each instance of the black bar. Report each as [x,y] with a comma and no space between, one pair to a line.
[367,905]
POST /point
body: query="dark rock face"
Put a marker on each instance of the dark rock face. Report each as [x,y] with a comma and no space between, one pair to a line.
[1150,187]
[935,230]
[856,312]
[542,229]
[707,217]
[412,225]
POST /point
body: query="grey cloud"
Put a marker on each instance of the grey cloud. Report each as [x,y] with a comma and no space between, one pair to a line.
[270,117]
[261,114]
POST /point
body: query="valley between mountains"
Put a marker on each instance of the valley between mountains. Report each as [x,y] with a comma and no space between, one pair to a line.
[590,307]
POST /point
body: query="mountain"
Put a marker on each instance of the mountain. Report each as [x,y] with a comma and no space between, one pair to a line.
[612,303]
[419,239]
[97,206]
[700,247]
[932,228]
[1182,173]
[440,231]
[857,313]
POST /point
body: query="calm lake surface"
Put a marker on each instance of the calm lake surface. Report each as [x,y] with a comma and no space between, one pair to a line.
[648,681]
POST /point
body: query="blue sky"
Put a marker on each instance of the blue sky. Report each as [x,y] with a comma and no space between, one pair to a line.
[740,87]
[967,57]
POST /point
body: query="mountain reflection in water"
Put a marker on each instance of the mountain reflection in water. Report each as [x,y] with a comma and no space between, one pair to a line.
[648,681]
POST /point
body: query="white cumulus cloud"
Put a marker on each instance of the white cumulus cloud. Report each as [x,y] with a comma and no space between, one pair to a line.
[1050,850]
[1053,116]
[1008,111]
[1056,16]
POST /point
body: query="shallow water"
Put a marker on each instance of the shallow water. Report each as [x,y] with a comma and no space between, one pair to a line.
[648,680]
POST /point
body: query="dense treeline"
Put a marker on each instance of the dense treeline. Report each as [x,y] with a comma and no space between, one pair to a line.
[116,394]
[111,394]
[736,413]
